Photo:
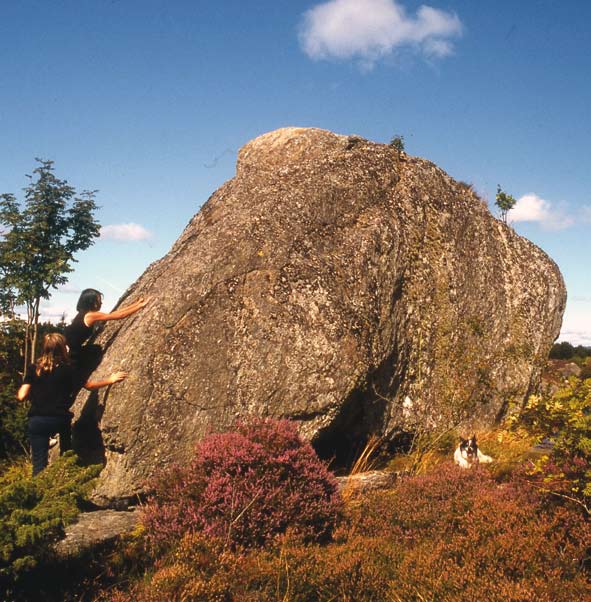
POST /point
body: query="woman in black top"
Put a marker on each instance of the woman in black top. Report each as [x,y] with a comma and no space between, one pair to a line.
[88,308]
[49,386]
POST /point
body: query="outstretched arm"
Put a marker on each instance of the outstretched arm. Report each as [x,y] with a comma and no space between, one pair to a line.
[116,377]
[98,316]
[23,392]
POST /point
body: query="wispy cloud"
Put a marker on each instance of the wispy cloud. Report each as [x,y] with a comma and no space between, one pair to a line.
[50,312]
[125,232]
[367,30]
[532,208]
[69,289]
[576,337]
[576,327]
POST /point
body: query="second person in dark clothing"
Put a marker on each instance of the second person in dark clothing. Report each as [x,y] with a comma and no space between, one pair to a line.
[49,385]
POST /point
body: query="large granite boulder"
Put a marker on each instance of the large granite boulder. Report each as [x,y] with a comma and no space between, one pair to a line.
[334,281]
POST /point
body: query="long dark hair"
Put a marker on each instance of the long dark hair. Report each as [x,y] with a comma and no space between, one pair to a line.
[90,300]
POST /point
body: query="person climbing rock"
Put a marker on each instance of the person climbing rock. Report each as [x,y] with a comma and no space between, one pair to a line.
[84,357]
[49,385]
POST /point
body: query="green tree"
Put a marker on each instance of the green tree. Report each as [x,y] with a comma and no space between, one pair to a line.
[505,202]
[562,351]
[13,414]
[38,242]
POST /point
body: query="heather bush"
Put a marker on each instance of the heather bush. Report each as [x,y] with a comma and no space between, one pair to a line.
[447,536]
[467,536]
[245,487]
[35,510]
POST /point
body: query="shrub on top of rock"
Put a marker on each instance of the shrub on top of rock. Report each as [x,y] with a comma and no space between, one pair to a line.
[245,487]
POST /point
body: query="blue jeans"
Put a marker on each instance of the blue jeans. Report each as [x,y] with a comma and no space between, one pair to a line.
[41,428]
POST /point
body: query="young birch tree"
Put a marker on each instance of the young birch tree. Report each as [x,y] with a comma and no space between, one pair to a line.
[505,202]
[38,241]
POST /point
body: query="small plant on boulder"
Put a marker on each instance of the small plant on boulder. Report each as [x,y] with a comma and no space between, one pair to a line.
[245,487]
[397,142]
[505,202]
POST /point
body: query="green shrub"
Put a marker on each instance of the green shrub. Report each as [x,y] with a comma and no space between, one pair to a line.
[565,418]
[397,142]
[35,510]
[13,424]
[585,370]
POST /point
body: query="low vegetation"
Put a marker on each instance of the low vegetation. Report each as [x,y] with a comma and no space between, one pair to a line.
[34,512]
[447,535]
[245,488]
[517,530]
[256,516]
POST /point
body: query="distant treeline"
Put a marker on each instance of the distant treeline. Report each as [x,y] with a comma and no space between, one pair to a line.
[566,351]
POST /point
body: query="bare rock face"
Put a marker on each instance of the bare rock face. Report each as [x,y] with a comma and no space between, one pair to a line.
[334,281]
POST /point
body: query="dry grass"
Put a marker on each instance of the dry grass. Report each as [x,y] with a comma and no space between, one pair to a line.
[365,462]
[507,449]
[427,451]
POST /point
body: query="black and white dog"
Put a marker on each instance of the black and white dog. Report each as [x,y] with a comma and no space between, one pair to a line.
[467,453]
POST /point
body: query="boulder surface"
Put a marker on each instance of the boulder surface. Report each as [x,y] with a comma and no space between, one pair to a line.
[333,281]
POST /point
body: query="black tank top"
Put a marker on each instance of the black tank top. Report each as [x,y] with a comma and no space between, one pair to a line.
[77,333]
[51,392]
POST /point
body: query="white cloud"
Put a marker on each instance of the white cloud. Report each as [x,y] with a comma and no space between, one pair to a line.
[368,30]
[69,289]
[125,232]
[576,337]
[532,208]
[576,327]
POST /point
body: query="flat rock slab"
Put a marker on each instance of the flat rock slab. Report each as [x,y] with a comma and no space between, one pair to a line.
[368,481]
[94,528]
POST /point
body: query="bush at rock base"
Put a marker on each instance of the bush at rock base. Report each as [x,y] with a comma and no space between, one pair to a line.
[245,487]
[35,510]
[565,418]
[449,535]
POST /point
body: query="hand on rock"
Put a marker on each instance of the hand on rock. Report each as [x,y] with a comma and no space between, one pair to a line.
[142,302]
[118,377]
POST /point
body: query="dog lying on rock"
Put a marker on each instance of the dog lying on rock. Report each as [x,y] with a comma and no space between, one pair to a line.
[467,453]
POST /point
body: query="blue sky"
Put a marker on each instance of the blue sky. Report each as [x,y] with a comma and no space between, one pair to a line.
[149,101]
